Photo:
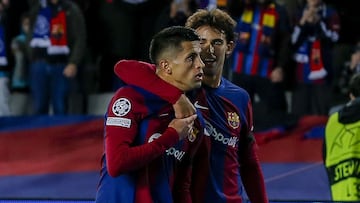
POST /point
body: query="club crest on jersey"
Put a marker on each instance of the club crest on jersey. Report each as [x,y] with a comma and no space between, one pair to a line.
[233,119]
[192,135]
[121,107]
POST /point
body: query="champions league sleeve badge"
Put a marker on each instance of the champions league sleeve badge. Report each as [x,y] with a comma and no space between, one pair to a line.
[121,107]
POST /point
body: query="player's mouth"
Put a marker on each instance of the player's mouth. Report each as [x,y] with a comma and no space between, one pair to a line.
[199,76]
[209,61]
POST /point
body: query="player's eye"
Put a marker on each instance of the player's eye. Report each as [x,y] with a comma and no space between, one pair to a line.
[218,42]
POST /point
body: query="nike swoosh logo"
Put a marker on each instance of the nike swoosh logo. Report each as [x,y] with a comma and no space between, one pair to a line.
[163,114]
[198,106]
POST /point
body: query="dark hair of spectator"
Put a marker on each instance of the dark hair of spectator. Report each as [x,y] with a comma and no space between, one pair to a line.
[354,85]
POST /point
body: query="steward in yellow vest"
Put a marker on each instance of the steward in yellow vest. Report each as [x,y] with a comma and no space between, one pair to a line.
[342,148]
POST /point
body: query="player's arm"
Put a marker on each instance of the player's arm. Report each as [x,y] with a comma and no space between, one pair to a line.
[250,169]
[143,75]
[252,176]
[121,129]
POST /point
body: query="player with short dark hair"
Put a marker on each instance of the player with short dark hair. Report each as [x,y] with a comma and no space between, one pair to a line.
[143,140]
[226,159]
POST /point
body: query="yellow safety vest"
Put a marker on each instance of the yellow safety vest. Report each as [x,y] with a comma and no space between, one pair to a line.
[342,160]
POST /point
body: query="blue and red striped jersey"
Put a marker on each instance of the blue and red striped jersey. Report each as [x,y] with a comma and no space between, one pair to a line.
[140,151]
[226,158]
[228,117]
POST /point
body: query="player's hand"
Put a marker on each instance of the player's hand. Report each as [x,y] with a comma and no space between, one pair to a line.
[183,126]
[183,107]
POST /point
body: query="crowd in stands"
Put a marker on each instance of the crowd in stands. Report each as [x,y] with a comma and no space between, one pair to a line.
[51,49]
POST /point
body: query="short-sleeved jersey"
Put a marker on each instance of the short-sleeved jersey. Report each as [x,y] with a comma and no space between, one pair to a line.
[228,118]
[138,138]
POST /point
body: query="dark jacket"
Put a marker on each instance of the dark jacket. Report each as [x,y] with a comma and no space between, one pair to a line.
[350,112]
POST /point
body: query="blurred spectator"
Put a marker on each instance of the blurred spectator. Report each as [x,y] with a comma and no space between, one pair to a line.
[20,80]
[125,31]
[4,66]
[261,52]
[349,69]
[180,10]
[314,35]
[341,147]
[57,45]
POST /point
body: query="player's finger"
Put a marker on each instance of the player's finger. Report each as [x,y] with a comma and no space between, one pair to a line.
[190,119]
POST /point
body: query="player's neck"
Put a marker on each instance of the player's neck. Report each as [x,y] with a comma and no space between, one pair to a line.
[212,81]
[171,81]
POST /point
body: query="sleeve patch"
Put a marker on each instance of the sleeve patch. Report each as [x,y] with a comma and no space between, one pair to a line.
[116,121]
[121,107]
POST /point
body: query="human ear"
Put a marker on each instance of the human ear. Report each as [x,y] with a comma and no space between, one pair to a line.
[230,47]
[165,66]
